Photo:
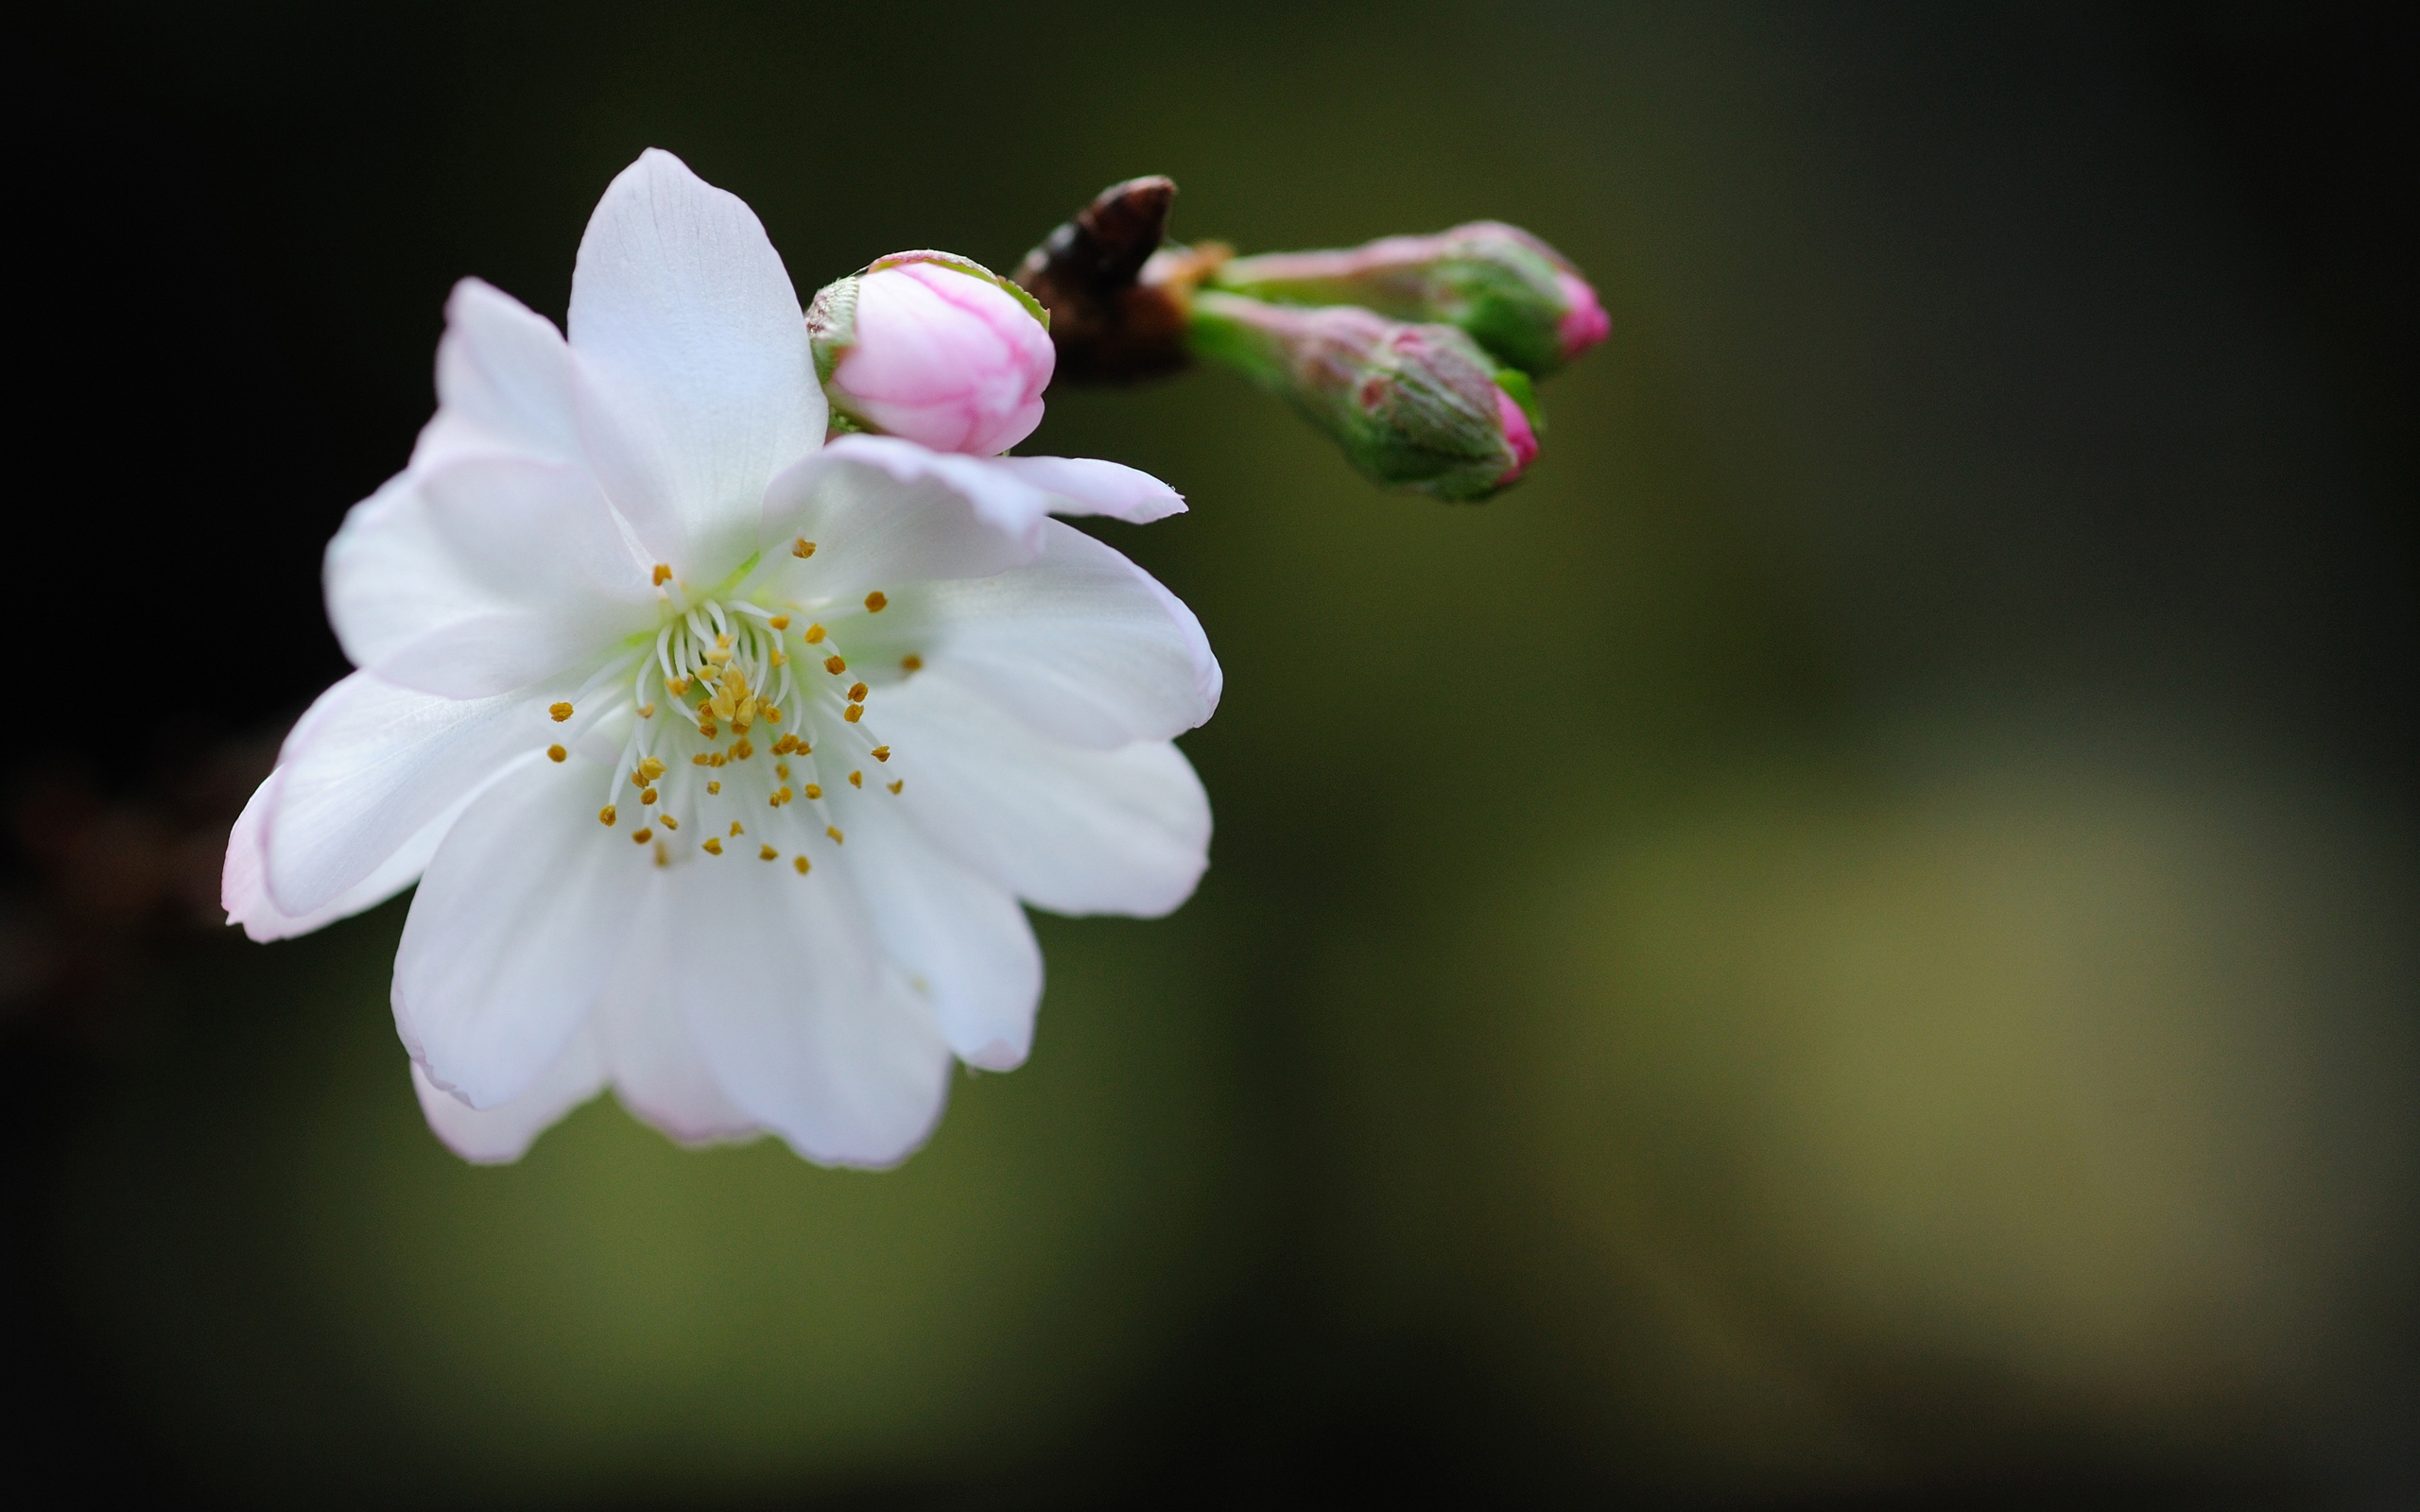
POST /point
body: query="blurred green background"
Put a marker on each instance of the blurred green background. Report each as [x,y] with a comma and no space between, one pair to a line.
[1852,942]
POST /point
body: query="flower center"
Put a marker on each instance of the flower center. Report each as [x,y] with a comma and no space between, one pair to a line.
[743,724]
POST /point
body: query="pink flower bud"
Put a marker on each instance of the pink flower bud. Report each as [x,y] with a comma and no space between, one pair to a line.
[1585,322]
[1416,407]
[1514,295]
[1517,434]
[935,349]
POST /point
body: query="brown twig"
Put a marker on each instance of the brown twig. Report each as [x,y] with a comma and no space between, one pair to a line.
[1117,297]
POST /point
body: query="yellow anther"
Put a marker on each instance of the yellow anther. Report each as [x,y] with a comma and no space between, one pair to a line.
[805,749]
[772,713]
[605,815]
[799,863]
[663,574]
[785,745]
[780,621]
[835,665]
[560,711]
[736,828]
[714,758]
[779,793]
[766,853]
[646,711]
[813,792]
[838,838]
[857,779]
[874,601]
[713,787]
[670,823]
[745,714]
[641,836]
[853,712]
[782,769]
[781,658]
[638,778]
[881,753]
[857,693]
[802,548]
[650,768]
[646,796]
[897,786]
[713,846]
[815,635]
[912,662]
[556,753]
[700,759]
[678,687]
[708,728]
[742,749]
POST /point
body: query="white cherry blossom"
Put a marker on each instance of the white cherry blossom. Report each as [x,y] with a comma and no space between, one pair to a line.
[723,758]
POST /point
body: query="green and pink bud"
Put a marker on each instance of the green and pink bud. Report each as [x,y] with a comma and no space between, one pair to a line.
[933,348]
[1413,405]
[1516,296]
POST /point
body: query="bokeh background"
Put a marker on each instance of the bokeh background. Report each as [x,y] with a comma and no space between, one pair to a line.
[1851,943]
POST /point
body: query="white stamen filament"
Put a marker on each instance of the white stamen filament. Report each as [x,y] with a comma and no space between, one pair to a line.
[730,657]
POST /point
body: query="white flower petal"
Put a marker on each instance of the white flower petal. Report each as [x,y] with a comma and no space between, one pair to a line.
[958,935]
[517,923]
[1081,644]
[883,512]
[695,379]
[1070,830]
[801,1021]
[656,1069]
[483,575]
[1087,484]
[503,383]
[494,1136]
[243,888]
[369,767]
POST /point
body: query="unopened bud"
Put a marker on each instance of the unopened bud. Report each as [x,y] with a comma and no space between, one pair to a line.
[934,348]
[1515,295]
[1413,405]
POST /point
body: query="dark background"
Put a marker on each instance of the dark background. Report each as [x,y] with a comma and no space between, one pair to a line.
[1851,943]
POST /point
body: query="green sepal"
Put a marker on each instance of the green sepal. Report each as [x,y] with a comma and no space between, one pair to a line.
[1517,382]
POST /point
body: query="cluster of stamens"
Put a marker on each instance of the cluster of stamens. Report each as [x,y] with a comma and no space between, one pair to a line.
[720,675]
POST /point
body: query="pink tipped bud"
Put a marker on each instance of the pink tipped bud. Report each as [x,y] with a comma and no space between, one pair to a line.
[1518,435]
[1585,322]
[1516,296]
[1416,406]
[936,349]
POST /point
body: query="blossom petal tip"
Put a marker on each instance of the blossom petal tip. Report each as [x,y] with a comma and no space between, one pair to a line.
[502,1134]
[875,1150]
[1090,485]
[690,1133]
[871,1157]
[998,1056]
